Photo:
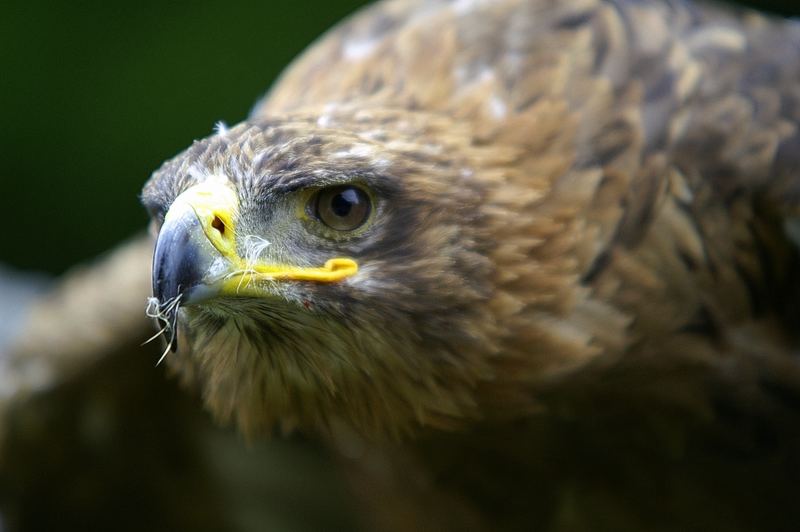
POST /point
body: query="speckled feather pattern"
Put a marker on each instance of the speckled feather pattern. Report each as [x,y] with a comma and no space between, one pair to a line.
[577,199]
[585,172]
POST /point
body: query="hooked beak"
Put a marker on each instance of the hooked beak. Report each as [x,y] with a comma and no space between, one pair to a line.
[190,256]
[196,256]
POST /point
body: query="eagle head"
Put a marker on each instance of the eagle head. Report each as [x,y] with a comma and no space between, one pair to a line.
[327,267]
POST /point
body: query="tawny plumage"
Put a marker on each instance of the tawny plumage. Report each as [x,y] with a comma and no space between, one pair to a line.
[570,296]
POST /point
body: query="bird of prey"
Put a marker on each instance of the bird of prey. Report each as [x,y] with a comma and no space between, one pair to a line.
[525,264]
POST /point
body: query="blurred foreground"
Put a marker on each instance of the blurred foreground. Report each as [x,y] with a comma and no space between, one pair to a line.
[119,446]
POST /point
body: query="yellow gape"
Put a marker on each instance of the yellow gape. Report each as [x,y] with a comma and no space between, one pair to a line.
[214,204]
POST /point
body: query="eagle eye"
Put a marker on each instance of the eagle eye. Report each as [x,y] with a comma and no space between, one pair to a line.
[343,208]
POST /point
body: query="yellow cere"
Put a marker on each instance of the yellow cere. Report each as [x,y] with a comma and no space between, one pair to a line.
[215,204]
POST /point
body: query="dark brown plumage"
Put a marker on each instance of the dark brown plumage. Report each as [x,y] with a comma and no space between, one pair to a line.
[575,302]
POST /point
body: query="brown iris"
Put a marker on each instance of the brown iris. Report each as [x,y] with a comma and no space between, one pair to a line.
[343,208]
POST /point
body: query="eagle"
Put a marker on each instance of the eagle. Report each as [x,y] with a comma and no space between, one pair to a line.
[525,265]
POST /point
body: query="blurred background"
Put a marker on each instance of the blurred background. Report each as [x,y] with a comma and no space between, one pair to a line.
[94,95]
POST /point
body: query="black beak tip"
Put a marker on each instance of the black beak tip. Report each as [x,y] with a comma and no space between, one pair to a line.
[173,341]
[175,273]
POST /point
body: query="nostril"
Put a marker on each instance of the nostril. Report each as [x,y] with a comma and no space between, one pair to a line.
[218,224]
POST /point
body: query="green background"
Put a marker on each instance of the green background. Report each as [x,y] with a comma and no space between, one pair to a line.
[95,95]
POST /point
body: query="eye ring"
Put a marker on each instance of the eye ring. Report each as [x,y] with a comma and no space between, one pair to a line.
[342,207]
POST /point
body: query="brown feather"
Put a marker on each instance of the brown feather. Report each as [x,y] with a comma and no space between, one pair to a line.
[579,302]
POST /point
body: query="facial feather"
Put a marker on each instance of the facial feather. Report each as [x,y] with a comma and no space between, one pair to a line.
[388,350]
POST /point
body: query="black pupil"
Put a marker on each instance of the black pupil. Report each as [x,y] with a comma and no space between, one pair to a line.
[343,202]
[343,208]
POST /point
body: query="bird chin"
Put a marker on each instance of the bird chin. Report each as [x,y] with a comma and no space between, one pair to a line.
[277,306]
[224,306]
